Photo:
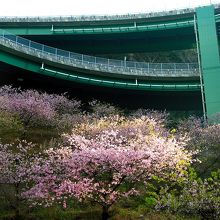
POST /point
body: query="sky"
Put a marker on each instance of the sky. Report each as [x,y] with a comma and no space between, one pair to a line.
[92,7]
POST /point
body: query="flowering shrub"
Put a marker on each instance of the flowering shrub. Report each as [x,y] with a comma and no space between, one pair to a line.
[160,117]
[128,127]
[15,164]
[65,122]
[206,139]
[14,161]
[29,105]
[36,108]
[100,109]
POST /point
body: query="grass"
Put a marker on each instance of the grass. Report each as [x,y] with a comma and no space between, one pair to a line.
[92,213]
[35,135]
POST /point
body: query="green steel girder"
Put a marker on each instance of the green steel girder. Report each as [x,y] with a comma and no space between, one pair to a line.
[99,37]
[132,25]
[70,28]
[35,66]
[209,53]
[51,30]
[163,35]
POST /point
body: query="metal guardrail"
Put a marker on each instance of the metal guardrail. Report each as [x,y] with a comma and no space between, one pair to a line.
[104,17]
[97,17]
[129,68]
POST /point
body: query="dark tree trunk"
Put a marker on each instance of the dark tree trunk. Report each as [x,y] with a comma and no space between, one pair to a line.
[105,214]
[17,201]
[17,214]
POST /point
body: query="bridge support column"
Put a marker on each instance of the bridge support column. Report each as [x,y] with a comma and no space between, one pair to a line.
[209,57]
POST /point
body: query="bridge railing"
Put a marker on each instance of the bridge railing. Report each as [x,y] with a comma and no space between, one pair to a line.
[97,17]
[98,64]
[103,17]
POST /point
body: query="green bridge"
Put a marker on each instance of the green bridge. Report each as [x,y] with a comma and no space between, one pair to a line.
[69,48]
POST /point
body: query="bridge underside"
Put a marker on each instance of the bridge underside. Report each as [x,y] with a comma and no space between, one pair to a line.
[128,99]
[179,39]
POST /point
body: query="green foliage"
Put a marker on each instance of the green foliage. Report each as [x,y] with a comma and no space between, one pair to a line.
[197,197]
[55,213]
[150,201]
[11,126]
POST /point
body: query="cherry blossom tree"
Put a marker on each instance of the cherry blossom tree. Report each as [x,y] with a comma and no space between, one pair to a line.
[35,107]
[104,167]
[15,163]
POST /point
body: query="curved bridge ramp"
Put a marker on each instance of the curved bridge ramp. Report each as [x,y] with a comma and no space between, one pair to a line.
[54,62]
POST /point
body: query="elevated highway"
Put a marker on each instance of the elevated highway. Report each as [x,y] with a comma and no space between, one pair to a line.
[71,66]
[109,34]
[69,47]
[162,31]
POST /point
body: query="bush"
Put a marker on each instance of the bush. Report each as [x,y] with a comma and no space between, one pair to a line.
[101,109]
[37,109]
[198,197]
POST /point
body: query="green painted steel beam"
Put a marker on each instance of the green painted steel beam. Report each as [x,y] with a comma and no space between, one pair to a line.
[79,28]
[101,39]
[101,27]
[123,29]
[51,71]
[28,30]
[51,29]
[149,86]
[209,52]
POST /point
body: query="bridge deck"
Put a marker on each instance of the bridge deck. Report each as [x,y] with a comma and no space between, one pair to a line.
[95,70]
